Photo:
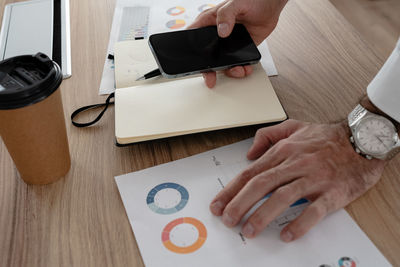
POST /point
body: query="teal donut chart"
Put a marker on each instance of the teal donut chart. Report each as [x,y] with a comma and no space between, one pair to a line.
[346,262]
[153,206]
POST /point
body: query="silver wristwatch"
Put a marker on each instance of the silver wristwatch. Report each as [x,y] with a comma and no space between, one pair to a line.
[373,136]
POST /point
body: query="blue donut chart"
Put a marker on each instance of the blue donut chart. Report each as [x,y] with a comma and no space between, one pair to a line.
[153,206]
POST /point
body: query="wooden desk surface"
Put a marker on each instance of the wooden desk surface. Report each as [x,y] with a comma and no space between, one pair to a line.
[324,68]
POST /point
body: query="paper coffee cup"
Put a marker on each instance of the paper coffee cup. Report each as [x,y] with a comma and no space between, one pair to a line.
[32,123]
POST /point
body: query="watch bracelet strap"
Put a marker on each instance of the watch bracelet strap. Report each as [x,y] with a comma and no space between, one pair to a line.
[358,112]
[393,153]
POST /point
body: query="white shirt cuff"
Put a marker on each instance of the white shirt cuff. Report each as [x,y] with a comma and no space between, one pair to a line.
[384,90]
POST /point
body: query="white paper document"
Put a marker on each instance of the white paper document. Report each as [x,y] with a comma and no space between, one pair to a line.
[168,208]
[141,18]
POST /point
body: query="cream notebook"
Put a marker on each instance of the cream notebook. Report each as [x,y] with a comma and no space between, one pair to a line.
[159,107]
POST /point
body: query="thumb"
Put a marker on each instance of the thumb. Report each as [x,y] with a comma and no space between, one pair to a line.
[226,18]
[268,136]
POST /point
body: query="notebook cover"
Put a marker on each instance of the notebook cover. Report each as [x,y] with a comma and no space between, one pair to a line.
[163,108]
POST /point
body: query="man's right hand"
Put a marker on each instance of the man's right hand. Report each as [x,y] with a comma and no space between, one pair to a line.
[258,16]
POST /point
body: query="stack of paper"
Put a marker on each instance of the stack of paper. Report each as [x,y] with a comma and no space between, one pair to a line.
[168,208]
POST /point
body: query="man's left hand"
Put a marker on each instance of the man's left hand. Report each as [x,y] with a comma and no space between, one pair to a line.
[296,160]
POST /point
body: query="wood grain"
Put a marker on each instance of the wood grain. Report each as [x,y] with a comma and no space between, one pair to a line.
[324,68]
[378,21]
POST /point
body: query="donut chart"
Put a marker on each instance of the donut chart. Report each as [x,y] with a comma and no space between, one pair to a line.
[205,7]
[167,198]
[175,24]
[175,11]
[186,248]
[347,262]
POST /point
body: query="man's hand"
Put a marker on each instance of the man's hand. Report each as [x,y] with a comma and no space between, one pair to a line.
[296,160]
[258,16]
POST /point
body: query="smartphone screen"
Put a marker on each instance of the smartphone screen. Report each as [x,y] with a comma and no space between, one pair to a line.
[199,50]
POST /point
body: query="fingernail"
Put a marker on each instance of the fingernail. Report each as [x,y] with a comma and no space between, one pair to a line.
[227,220]
[248,230]
[223,29]
[217,207]
[287,236]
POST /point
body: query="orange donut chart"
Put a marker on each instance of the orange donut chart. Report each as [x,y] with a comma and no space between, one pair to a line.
[189,249]
[175,24]
[175,11]
[205,7]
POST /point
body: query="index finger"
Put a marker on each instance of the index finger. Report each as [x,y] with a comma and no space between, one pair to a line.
[266,162]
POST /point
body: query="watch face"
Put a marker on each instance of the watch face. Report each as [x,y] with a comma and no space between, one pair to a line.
[375,135]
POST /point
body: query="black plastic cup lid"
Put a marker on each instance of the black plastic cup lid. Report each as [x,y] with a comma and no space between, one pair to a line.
[26,80]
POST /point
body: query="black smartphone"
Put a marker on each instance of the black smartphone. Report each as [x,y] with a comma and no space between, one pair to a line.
[199,50]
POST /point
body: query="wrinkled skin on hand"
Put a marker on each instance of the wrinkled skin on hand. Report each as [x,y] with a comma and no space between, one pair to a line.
[296,160]
[260,18]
